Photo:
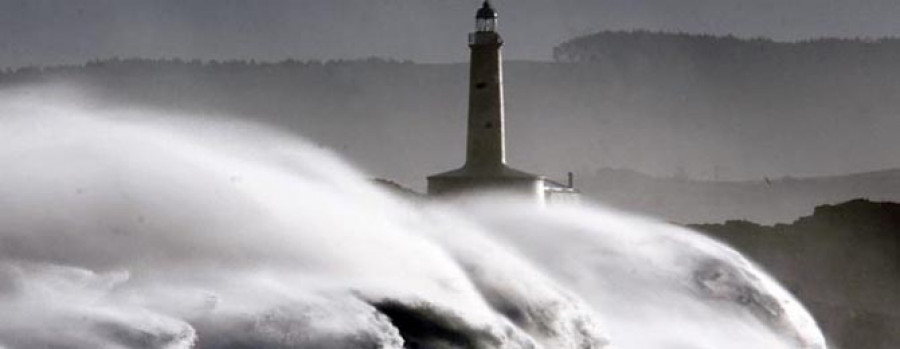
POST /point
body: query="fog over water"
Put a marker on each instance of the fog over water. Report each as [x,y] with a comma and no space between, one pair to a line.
[126,228]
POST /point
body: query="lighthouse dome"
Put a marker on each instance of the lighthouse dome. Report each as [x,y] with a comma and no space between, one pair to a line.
[486,11]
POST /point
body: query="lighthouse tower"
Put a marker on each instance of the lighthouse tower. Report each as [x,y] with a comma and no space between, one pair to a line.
[485,168]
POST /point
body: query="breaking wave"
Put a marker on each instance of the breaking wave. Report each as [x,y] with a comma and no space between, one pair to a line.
[122,228]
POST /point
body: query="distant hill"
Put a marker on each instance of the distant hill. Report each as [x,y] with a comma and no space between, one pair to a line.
[717,107]
[622,48]
[843,262]
[768,200]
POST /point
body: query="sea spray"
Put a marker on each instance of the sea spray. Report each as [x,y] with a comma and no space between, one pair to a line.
[128,228]
[659,285]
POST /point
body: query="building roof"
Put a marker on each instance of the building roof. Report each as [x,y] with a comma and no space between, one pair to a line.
[486,11]
[501,172]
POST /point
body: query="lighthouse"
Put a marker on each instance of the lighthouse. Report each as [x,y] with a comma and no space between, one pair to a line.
[485,169]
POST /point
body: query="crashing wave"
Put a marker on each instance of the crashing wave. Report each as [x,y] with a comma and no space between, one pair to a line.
[175,234]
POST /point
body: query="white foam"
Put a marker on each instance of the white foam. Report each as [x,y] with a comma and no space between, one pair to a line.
[129,228]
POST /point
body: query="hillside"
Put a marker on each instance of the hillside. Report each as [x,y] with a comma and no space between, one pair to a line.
[843,262]
[767,201]
[662,104]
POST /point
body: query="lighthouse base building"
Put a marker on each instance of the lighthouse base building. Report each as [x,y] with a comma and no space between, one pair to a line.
[504,180]
[485,169]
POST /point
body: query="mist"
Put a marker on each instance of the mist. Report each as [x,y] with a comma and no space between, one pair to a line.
[130,227]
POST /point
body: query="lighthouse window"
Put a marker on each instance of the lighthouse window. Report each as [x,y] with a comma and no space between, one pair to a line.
[481,85]
[489,125]
[486,24]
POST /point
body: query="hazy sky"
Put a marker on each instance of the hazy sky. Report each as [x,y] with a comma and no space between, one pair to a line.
[73,31]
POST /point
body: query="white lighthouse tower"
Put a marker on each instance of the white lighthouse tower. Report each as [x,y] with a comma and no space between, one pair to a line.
[485,168]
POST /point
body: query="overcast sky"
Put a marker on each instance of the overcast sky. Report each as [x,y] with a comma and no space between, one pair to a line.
[73,31]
